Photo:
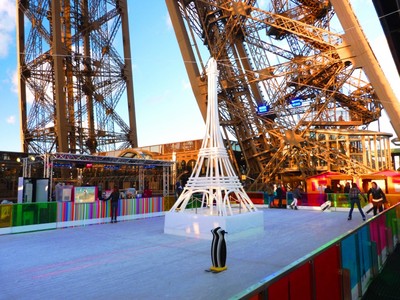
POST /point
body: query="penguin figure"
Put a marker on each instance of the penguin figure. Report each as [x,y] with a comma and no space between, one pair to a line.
[218,250]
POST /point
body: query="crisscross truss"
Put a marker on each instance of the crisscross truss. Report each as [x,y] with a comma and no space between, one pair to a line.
[286,59]
[73,74]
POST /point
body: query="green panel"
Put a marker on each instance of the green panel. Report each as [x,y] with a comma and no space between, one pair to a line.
[340,200]
[390,216]
[34,213]
[195,201]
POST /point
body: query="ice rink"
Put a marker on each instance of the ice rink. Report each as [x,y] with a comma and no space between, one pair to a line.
[136,260]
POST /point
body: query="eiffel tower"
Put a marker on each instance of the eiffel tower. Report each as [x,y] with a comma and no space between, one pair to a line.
[297,96]
[72,77]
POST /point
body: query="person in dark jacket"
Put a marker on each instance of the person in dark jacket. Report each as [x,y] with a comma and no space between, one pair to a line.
[378,197]
[280,194]
[354,195]
[346,189]
[296,197]
[178,189]
[328,191]
[114,197]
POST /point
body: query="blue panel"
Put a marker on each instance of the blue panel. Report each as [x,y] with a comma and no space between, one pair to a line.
[364,239]
[349,259]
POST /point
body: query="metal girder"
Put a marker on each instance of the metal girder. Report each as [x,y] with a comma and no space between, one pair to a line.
[361,55]
[72,76]
[389,15]
[69,157]
[279,57]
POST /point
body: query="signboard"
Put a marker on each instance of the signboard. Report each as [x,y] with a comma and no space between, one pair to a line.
[262,109]
[85,194]
[296,102]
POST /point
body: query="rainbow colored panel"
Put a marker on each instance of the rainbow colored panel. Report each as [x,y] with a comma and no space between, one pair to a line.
[70,211]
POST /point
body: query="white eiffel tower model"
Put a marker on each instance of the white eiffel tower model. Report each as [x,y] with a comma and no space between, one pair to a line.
[221,190]
[224,203]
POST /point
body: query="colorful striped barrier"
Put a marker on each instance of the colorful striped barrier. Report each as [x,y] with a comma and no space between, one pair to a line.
[26,217]
[77,214]
[341,269]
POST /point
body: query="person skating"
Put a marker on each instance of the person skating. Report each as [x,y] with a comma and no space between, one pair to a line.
[296,197]
[378,197]
[354,195]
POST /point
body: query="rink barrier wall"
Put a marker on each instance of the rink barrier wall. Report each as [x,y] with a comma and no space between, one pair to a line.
[340,269]
[17,218]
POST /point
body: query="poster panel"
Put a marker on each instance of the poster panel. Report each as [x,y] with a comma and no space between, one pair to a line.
[85,194]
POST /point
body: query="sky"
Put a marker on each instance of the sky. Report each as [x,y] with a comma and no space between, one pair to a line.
[166,110]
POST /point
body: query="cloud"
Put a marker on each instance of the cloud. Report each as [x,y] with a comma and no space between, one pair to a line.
[7,25]
[14,81]
[168,21]
[262,4]
[186,85]
[11,120]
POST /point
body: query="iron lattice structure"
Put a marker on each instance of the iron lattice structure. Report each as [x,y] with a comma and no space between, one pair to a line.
[311,84]
[74,69]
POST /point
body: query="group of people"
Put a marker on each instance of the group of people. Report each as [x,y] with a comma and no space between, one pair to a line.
[279,193]
[378,199]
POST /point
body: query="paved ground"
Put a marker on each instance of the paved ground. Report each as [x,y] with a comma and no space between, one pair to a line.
[387,284]
[136,260]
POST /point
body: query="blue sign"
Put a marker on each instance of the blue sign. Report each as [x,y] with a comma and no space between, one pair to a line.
[263,108]
[111,167]
[296,102]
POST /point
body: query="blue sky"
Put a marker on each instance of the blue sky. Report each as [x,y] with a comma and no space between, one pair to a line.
[166,110]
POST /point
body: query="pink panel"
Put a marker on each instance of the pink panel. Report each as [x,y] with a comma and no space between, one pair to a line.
[377,229]
[315,199]
[382,232]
